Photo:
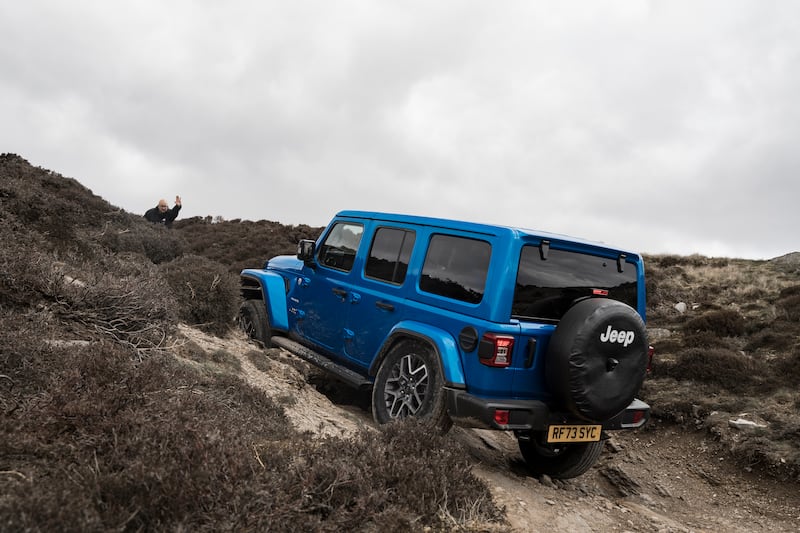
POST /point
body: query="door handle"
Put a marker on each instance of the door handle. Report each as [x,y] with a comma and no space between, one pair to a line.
[385,306]
[341,293]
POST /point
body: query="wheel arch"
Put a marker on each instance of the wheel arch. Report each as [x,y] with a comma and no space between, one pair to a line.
[271,288]
[442,344]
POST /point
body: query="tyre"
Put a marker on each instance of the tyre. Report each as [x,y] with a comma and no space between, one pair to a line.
[597,358]
[409,384]
[560,461]
[253,320]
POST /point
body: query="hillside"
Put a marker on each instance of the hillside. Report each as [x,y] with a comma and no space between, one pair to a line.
[125,394]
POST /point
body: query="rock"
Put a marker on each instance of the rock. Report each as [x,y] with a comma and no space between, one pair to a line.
[742,423]
[613,445]
[66,343]
[662,490]
[69,280]
[647,500]
[680,307]
[547,481]
[621,480]
[657,334]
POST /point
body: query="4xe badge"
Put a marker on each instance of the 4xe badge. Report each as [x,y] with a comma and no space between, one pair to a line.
[617,336]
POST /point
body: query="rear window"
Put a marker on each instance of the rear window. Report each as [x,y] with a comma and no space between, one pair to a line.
[456,267]
[548,286]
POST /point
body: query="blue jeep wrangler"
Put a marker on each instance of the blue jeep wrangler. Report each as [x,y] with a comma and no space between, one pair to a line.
[474,324]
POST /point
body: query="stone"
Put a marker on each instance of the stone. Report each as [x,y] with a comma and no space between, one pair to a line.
[742,423]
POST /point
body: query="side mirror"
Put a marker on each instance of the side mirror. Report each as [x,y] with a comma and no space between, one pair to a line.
[305,251]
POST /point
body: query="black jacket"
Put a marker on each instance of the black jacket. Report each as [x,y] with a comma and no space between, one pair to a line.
[166,218]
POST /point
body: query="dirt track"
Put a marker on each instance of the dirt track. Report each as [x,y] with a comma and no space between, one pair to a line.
[662,478]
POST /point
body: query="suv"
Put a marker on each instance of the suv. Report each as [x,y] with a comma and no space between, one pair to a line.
[474,324]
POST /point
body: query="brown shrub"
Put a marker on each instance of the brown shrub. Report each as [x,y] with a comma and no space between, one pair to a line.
[722,322]
[790,305]
[259,360]
[703,339]
[771,337]
[93,441]
[727,369]
[207,293]
[26,275]
[114,297]
[45,202]
[792,290]
[786,370]
[157,243]
[126,446]
[397,479]
[242,244]
[136,310]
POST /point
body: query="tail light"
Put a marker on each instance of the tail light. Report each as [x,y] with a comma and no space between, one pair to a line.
[495,350]
[502,417]
[638,417]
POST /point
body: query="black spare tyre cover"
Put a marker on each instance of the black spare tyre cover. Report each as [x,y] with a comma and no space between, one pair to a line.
[597,358]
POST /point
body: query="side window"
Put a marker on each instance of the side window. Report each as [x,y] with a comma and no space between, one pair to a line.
[456,267]
[339,248]
[389,255]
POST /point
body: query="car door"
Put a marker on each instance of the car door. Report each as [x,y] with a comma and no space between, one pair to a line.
[381,293]
[325,294]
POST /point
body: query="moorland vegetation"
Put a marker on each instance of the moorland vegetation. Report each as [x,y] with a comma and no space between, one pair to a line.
[110,421]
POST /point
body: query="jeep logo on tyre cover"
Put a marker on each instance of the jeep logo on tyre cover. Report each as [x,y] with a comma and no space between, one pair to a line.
[617,336]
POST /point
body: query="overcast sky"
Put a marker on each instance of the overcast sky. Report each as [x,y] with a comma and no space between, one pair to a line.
[660,126]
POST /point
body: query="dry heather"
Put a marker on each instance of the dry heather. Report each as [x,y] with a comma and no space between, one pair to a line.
[731,351]
[102,427]
[109,420]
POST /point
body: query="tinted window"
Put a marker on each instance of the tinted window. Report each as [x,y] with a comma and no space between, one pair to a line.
[340,246]
[389,255]
[546,288]
[456,267]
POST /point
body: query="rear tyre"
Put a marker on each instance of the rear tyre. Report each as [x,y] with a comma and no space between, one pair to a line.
[409,384]
[560,461]
[253,320]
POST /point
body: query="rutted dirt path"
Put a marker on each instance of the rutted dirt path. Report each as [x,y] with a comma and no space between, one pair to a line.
[662,478]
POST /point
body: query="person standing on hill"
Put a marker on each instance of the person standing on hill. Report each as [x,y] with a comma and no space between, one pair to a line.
[160,214]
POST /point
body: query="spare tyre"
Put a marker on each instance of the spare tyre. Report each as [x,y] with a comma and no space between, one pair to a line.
[597,358]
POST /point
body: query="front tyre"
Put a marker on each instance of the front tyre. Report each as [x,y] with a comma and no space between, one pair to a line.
[254,322]
[560,461]
[409,384]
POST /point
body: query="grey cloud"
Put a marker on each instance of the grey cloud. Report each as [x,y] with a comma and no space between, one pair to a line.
[665,126]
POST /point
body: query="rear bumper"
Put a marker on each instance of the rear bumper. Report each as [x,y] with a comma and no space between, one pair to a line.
[468,410]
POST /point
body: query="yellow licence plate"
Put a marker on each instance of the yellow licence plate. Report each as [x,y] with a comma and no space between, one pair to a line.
[573,433]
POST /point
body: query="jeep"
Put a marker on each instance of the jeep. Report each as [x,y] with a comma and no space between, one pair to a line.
[457,322]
